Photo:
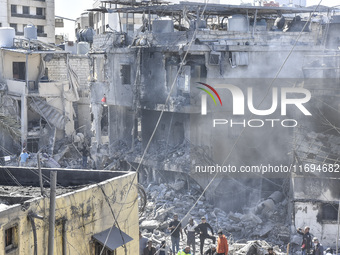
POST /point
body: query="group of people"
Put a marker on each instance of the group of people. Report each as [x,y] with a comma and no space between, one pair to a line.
[307,246]
[222,248]
[191,229]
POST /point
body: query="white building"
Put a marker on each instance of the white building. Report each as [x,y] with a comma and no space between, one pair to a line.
[18,14]
[292,3]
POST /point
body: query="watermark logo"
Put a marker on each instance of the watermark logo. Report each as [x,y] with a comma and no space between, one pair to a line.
[204,97]
[239,99]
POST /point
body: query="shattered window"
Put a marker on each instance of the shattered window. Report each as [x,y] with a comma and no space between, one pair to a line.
[11,236]
[125,74]
[329,212]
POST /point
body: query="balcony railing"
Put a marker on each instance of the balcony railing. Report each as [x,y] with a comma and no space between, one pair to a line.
[29,16]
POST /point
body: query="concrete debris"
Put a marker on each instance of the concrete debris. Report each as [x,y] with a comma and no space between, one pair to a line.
[69,156]
[257,247]
[178,197]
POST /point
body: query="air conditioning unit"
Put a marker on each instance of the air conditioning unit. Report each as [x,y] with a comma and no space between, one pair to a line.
[214,58]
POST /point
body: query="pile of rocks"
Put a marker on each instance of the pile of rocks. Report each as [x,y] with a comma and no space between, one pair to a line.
[266,221]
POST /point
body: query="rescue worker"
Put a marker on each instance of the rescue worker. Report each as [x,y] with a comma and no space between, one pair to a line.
[318,248]
[185,251]
[306,245]
[271,251]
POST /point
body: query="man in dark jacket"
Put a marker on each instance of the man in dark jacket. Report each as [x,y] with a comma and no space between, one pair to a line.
[318,248]
[271,251]
[175,227]
[149,250]
[306,245]
[202,229]
[211,251]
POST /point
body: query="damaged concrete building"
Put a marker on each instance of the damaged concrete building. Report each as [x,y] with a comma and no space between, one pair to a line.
[149,82]
[44,100]
[140,100]
[94,210]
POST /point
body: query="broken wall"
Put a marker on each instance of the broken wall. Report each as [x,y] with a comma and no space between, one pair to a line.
[57,71]
[57,68]
[153,78]
[32,64]
[171,131]
[120,75]
[316,204]
[120,127]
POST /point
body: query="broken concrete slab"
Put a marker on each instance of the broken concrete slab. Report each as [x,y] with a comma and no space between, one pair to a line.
[149,224]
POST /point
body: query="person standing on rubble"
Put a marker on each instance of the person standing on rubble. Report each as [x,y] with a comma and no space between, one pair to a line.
[143,241]
[185,251]
[318,248]
[222,244]
[149,250]
[306,245]
[189,230]
[23,158]
[176,228]
[211,251]
[162,249]
[271,251]
[202,229]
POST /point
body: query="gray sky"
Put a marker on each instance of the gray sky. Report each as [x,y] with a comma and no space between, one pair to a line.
[73,8]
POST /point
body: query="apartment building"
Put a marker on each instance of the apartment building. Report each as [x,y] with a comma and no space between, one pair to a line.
[18,14]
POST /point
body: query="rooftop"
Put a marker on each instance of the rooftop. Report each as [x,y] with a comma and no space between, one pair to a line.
[19,184]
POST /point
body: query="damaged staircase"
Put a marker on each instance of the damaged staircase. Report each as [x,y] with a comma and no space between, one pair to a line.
[48,112]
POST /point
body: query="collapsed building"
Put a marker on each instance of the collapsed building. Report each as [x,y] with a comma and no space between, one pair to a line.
[152,117]
[139,106]
[44,97]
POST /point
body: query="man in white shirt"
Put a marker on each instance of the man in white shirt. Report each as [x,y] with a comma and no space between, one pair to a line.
[189,230]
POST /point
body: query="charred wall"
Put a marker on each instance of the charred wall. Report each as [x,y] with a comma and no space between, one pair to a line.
[120,125]
[171,131]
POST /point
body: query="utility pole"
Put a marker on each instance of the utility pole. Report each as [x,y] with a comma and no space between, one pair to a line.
[40,175]
[53,184]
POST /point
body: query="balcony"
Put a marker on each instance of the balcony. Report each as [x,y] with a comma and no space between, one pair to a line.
[28,16]
[16,86]
[43,88]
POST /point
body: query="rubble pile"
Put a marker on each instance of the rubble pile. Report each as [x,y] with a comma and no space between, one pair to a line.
[264,222]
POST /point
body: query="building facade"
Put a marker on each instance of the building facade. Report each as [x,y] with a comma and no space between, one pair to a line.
[18,14]
[83,216]
[153,83]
